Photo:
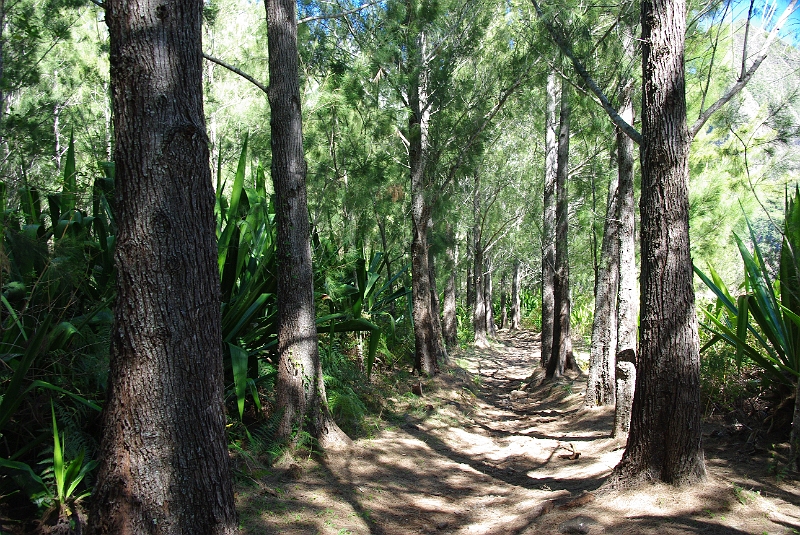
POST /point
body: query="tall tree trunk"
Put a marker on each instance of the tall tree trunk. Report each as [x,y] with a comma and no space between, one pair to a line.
[516,281]
[163,457]
[549,215]
[479,310]
[665,442]
[450,320]
[503,302]
[491,328]
[600,383]
[300,387]
[561,356]
[425,342]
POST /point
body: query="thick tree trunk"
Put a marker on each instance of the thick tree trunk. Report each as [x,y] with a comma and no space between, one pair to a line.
[516,281]
[664,441]
[602,360]
[300,387]
[450,320]
[561,357]
[549,215]
[491,328]
[163,457]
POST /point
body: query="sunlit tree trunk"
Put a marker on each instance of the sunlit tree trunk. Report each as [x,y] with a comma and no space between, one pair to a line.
[561,356]
[164,465]
[602,361]
[300,387]
[627,302]
[665,442]
[549,215]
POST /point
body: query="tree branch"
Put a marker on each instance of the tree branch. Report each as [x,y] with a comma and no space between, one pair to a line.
[338,15]
[486,122]
[235,70]
[562,44]
[745,76]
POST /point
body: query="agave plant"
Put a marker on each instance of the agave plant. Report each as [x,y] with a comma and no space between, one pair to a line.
[763,324]
[246,253]
[361,302]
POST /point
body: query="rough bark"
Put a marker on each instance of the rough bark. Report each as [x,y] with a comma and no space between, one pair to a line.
[163,457]
[561,357]
[600,381]
[516,281]
[300,387]
[549,215]
[665,442]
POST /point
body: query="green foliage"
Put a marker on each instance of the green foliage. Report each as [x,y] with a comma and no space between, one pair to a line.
[531,308]
[54,322]
[56,487]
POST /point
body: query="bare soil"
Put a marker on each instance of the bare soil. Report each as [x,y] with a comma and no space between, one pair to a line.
[481,453]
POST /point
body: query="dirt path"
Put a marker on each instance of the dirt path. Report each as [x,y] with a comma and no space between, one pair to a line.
[477,455]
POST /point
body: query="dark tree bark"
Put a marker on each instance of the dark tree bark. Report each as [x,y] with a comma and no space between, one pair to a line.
[602,360]
[561,357]
[549,216]
[163,457]
[516,281]
[664,441]
[300,387]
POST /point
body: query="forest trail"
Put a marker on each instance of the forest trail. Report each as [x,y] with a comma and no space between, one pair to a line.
[478,455]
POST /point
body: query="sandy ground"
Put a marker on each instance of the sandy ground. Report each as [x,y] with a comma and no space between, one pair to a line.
[476,454]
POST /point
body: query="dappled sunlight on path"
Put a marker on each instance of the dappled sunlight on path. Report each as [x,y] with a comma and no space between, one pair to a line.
[488,449]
